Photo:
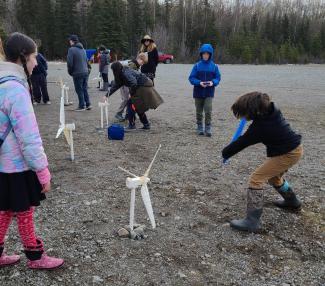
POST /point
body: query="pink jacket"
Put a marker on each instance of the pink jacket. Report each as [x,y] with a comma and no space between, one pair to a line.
[22,150]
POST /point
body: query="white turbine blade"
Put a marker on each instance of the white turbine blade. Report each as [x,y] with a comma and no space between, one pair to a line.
[62,115]
[128,172]
[59,132]
[132,204]
[146,174]
[147,203]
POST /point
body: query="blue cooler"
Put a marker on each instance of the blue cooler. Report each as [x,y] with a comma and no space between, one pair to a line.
[115,132]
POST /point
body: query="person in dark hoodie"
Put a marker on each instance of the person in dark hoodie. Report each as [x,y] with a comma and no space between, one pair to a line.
[283,149]
[205,76]
[78,68]
[39,82]
[104,59]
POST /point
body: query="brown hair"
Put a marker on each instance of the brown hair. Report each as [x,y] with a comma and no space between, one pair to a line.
[252,105]
[143,57]
[18,47]
[2,53]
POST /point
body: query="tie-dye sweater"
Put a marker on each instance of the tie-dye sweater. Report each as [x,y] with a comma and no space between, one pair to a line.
[22,150]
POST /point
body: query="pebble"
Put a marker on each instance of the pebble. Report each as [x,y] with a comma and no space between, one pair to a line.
[163,214]
[322,189]
[177,217]
[181,274]
[157,254]
[201,193]
[207,255]
[122,232]
[97,279]
[87,203]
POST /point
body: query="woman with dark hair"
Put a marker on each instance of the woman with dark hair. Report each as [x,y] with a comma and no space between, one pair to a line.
[142,94]
[148,46]
[24,173]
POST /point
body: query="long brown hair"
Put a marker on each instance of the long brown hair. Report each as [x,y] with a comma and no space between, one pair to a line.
[2,53]
[252,105]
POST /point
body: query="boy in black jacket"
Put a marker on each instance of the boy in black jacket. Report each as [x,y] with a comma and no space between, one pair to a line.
[283,147]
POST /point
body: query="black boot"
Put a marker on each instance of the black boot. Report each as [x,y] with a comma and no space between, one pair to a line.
[290,202]
[252,221]
[34,253]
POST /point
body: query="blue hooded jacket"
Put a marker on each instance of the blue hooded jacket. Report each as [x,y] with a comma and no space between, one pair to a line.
[205,71]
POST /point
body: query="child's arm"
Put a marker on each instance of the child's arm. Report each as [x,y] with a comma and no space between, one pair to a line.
[217,78]
[70,62]
[250,137]
[131,80]
[23,121]
[193,77]
[114,88]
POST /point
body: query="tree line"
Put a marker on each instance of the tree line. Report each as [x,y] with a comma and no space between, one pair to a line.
[250,31]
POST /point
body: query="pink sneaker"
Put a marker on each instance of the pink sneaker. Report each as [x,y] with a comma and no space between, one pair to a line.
[46,262]
[6,260]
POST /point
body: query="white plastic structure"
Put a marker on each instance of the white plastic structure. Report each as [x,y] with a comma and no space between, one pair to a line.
[100,80]
[65,93]
[103,106]
[133,184]
[66,129]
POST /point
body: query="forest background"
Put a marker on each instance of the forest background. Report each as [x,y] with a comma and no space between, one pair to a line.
[242,31]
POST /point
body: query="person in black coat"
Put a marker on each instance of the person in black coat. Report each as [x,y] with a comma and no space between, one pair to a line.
[148,46]
[283,149]
[39,82]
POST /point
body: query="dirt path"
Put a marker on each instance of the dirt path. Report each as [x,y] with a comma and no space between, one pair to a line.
[193,195]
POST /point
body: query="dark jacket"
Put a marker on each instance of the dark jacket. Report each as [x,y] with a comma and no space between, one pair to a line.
[150,67]
[104,59]
[143,95]
[205,71]
[41,67]
[77,61]
[271,130]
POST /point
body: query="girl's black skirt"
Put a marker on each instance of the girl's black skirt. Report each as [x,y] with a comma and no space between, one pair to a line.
[19,191]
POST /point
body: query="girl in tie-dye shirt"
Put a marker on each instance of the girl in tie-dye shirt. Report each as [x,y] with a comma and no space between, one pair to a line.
[24,174]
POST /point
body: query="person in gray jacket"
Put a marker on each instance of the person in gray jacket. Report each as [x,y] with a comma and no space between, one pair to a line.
[78,68]
[104,59]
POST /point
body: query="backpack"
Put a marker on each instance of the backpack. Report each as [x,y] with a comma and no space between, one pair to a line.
[7,131]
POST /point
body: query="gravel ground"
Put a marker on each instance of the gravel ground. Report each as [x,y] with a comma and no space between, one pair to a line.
[194,197]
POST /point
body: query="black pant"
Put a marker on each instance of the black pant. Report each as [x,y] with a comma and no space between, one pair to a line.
[131,115]
[39,84]
[105,77]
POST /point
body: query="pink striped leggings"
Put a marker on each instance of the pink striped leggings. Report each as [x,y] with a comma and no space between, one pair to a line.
[25,227]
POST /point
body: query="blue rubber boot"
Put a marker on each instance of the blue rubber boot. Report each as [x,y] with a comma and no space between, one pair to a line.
[208,131]
[199,129]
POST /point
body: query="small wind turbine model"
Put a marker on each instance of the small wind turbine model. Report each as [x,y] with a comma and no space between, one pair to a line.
[135,182]
[102,106]
[66,129]
[65,93]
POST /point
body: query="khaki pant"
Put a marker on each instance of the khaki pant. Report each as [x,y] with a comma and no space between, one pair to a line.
[273,169]
[125,95]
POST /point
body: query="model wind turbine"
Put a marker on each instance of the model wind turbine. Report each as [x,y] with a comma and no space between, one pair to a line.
[65,93]
[100,80]
[66,129]
[133,184]
[102,106]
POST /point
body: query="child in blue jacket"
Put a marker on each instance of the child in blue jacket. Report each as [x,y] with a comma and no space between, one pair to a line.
[205,76]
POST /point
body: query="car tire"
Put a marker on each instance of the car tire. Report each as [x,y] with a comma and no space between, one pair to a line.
[168,61]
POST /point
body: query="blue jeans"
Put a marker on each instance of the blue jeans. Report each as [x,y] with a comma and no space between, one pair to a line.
[81,86]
